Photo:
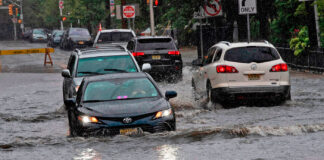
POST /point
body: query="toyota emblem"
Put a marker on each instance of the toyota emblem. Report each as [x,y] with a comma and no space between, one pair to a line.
[127,120]
[254,67]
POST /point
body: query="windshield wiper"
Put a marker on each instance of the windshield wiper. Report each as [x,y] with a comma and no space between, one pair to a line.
[116,70]
[93,101]
[94,73]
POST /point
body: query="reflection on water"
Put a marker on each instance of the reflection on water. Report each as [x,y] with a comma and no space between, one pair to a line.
[167,152]
[88,154]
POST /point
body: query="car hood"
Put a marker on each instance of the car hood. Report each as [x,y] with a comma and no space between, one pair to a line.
[125,108]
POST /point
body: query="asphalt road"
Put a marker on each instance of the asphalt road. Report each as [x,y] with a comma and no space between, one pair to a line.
[33,122]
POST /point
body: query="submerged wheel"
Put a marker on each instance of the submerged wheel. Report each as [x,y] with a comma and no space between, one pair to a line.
[211,93]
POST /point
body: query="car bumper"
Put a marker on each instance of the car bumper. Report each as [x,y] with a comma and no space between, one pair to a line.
[108,127]
[251,92]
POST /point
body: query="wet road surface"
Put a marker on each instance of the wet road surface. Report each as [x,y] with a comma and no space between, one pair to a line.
[33,124]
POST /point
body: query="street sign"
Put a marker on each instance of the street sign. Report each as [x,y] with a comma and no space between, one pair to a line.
[247,7]
[213,8]
[128,11]
[61,4]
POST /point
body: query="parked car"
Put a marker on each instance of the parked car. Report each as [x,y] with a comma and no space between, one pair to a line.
[38,35]
[113,36]
[76,38]
[94,61]
[54,38]
[240,72]
[161,52]
[27,34]
[128,103]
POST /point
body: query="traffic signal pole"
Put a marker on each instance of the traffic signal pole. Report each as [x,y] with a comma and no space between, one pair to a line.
[152,18]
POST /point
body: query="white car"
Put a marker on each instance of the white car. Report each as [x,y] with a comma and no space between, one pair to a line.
[233,72]
[109,37]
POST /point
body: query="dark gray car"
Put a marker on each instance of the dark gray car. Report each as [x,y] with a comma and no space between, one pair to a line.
[93,61]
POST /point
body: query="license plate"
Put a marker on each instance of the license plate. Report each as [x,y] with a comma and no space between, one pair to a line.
[254,76]
[81,42]
[128,131]
[156,57]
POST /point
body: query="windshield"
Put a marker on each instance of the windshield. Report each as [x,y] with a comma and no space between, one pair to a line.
[155,44]
[58,33]
[251,54]
[38,31]
[115,37]
[79,32]
[105,65]
[118,89]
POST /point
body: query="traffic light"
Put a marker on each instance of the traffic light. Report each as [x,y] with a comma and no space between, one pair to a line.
[1,3]
[10,9]
[156,2]
[63,18]
[17,13]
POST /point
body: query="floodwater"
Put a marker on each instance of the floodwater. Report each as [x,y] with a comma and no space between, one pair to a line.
[33,125]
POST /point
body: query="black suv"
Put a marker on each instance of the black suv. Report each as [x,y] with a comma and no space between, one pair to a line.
[161,52]
[93,61]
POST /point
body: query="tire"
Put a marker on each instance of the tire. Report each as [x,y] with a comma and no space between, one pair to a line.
[288,97]
[211,93]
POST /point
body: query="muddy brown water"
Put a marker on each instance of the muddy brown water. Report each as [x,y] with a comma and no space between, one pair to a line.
[33,125]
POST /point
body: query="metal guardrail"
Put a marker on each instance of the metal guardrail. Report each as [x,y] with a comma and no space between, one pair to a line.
[309,60]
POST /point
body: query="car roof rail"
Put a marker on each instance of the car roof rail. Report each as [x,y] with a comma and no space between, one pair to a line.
[225,42]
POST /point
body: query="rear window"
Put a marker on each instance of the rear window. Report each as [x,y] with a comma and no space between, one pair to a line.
[251,54]
[79,32]
[155,44]
[115,37]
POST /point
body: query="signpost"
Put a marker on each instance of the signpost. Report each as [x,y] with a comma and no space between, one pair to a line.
[247,7]
[213,8]
[61,6]
[128,11]
[112,8]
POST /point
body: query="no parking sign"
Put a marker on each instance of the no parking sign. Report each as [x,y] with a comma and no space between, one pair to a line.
[213,8]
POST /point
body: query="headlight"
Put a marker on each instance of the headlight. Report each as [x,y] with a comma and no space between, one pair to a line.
[164,113]
[87,119]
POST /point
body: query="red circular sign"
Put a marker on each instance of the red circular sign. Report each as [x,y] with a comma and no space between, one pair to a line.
[211,8]
[129,11]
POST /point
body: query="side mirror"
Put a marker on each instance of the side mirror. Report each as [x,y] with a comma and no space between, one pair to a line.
[197,62]
[170,94]
[66,73]
[146,67]
[70,103]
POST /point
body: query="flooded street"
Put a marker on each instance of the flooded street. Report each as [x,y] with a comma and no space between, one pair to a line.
[34,125]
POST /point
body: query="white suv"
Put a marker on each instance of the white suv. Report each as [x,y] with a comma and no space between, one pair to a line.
[232,72]
[113,36]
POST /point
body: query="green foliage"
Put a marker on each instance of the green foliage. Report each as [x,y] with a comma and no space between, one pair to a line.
[299,43]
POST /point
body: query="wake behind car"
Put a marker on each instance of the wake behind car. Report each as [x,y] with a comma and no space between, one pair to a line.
[161,52]
[113,36]
[239,72]
[94,61]
[126,103]
[76,38]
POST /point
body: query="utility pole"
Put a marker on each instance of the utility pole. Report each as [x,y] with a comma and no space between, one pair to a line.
[152,18]
[21,16]
[61,12]
[317,25]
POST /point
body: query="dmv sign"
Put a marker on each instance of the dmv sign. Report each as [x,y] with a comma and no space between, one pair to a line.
[247,7]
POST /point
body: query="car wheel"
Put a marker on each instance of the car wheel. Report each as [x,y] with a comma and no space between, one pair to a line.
[211,93]
[288,97]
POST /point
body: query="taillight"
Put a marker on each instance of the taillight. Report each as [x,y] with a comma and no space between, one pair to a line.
[138,54]
[174,52]
[283,67]
[226,69]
